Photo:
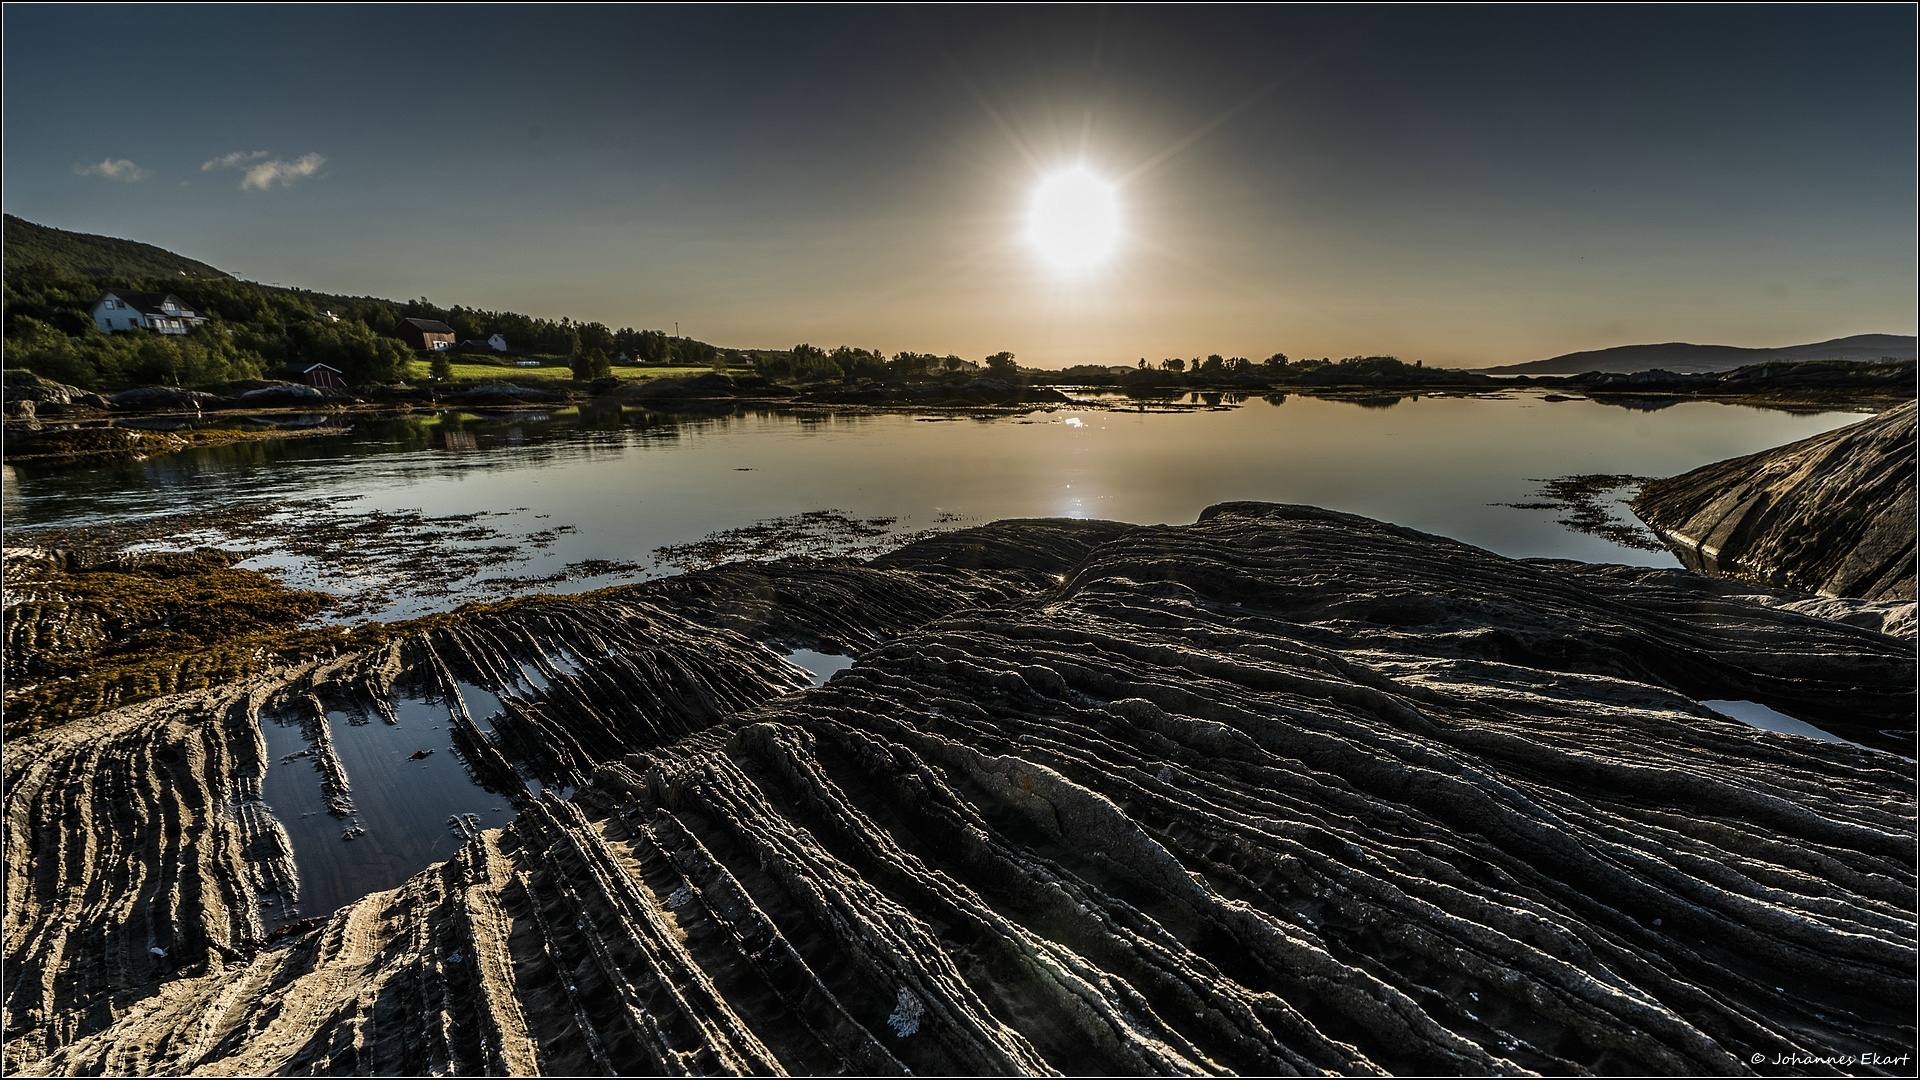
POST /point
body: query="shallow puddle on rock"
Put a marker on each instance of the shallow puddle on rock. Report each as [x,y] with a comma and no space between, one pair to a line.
[531,676]
[403,807]
[482,705]
[820,666]
[565,662]
[1757,715]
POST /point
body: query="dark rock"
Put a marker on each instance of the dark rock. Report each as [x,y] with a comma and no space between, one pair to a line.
[705,385]
[293,395]
[165,399]
[1832,515]
[1883,376]
[394,392]
[1282,792]
[504,394]
[28,395]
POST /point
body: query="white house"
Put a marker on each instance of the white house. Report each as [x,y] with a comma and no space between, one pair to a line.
[129,309]
[497,343]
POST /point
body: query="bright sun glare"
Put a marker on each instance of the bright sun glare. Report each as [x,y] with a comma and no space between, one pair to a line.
[1075,220]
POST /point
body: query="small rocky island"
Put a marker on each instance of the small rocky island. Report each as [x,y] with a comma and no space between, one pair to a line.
[1283,791]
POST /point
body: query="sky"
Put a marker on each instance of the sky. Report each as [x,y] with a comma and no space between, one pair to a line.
[1467,186]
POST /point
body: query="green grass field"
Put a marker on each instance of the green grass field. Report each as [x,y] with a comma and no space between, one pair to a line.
[420,371]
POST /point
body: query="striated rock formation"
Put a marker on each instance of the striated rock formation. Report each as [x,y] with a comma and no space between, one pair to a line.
[1282,792]
[1833,514]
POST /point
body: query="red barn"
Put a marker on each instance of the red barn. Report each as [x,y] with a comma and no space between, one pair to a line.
[425,334]
[312,375]
[322,375]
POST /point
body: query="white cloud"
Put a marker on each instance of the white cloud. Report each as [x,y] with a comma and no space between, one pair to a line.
[114,169]
[230,160]
[263,176]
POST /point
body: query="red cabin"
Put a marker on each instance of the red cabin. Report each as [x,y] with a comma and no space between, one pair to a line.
[316,375]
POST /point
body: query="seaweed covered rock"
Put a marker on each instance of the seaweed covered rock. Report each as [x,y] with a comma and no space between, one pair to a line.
[1282,792]
[1833,514]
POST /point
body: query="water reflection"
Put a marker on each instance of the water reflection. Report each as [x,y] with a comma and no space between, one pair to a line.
[634,480]
[1757,715]
[819,666]
[414,802]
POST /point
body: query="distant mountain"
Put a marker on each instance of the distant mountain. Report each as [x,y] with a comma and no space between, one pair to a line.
[86,254]
[1680,356]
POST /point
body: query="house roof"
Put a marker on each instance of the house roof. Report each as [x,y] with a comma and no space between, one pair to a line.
[150,303]
[427,326]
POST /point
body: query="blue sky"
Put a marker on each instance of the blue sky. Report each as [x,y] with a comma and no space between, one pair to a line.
[1462,185]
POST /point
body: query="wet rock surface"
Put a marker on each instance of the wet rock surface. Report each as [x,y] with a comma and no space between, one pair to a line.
[1833,514]
[1284,792]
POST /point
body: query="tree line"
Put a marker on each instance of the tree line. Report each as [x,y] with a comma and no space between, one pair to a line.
[1215,369]
[254,329]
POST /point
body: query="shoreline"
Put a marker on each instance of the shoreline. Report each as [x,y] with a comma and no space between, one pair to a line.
[41,433]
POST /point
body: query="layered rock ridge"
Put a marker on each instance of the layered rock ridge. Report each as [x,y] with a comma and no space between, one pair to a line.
[1833,514]
[1282,792]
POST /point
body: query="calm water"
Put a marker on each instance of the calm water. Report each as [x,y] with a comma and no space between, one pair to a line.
[404,809]
[570,485]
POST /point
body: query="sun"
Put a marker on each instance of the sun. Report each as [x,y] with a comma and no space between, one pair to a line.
[1074,222]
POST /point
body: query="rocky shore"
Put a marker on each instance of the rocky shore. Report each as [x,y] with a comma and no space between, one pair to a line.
[1284,791]
[1833,514]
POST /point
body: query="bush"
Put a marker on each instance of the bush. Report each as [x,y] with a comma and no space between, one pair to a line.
[592,364]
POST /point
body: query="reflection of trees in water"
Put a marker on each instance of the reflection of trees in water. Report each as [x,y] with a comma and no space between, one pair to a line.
[1636,404]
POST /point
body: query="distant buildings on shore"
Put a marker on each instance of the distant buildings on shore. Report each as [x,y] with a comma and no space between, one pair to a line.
[131,309]
[120,310]
[492,343]
[426,335]
[312,374]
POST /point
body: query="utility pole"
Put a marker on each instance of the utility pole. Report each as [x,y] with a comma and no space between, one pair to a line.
[676,329]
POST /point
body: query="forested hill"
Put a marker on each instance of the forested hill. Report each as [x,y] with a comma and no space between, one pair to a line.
[54,277]
[89,255]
